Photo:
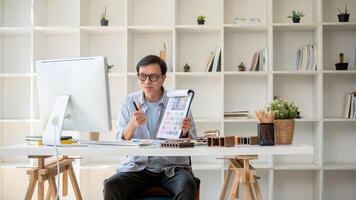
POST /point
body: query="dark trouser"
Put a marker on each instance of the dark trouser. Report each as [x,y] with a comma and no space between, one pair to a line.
[128,185]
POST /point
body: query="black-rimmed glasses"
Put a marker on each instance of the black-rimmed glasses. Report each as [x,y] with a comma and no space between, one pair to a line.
[151,77]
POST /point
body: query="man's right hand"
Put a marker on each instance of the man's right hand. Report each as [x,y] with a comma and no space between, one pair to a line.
[138,118]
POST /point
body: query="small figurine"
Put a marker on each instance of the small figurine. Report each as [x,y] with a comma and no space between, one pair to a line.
[186,67]
[242,67]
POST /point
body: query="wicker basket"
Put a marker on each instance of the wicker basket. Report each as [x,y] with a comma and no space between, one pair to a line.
[284,131]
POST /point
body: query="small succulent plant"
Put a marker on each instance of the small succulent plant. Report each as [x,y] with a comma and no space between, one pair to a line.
[283,109]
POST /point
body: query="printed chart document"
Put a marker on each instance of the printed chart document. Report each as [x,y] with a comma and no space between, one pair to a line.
[177,108]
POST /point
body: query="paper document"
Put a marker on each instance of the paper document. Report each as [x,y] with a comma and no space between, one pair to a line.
[177,108]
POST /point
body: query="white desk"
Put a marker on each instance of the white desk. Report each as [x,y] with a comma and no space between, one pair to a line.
[104,150]
[239,158]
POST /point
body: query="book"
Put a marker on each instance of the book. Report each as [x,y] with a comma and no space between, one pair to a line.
[216,59]
[179,102]
[209,62]
[347,105]
[177,143]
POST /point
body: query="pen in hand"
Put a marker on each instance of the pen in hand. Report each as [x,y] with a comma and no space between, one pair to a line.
[134,103]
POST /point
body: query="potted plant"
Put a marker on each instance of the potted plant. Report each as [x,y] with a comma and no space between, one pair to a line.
[201,19]
[296,15]
[186,67]
[284,115]
[103,20]
[341,65]
[343,16]
[242,67]
[109,67]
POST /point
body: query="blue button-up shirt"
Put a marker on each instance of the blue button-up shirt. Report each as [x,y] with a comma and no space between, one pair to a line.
[138,163]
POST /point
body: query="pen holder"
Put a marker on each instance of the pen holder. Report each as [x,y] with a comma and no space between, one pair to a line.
[265,134]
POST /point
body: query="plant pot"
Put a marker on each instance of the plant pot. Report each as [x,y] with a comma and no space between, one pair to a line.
[341,66]
[283,131]
[104,22]
[343,17]
[201,22]
[296,19]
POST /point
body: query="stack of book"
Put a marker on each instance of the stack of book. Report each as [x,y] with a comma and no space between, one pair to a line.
[260,60]
[213,63]
[307,58]
[37,140]
[236,115]
[350,105]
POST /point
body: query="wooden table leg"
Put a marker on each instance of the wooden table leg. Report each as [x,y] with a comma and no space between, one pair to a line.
[235,187]
[257,190]
[52,185]
[226,183]
[32,184]
[75,185]
[48,195]
[40,186]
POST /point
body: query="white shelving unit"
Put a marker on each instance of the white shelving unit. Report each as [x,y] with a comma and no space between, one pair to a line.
[45,29]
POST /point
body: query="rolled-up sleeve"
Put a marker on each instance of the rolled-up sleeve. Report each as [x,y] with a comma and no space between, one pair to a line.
[123,119]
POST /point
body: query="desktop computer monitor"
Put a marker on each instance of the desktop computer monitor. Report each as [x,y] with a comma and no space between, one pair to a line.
[73,95]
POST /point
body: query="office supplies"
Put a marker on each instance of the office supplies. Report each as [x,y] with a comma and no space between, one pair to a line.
[177,108]
[177,144]
[134,103]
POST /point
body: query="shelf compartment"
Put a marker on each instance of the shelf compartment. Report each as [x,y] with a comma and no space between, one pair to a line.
[304,133]
[336,42]
[340,166]
[339,184]
[13,183]
[15,13]
[246,27]
[339,140]
[91,10]
[283,8]
[296,184]
[201,44]
[161,12]
[336,86]
[308,103]
[243,8]
[56,12]
[103,29]
[15,52]
[296,166]
[55,46]
[188,10]
[204,125]
[286,45]
[339,26]
[116,96]
[197,29]
[110,45]
[15,100]
[330,11]
[241,46]
[295,26]
[13,133]
[245,93]
[154,42]
[204,88]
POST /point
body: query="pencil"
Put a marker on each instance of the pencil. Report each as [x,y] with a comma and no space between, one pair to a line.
[135,106]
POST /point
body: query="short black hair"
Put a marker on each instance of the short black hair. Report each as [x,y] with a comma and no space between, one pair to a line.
[152,59]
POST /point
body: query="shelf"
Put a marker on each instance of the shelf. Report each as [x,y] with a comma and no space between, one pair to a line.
[56,30]
[339,120]
[247,73]
[295,27]
[307,120]
[295,166]
[206,120]
[339,26]
[249,27]
[296,73]
[340,166]
[103,29]
[203,74]
[15,31]
[251,120]
[339,72]
[196,29]
[15,120]
[150,29]
[15,75]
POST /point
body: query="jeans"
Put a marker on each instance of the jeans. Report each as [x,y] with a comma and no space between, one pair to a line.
[129,185]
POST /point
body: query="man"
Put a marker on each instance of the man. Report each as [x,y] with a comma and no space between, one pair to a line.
[138,173]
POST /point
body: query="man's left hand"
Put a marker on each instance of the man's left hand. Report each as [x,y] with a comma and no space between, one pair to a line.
[186,125]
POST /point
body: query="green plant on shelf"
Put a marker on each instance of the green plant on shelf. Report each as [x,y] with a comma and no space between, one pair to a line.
[296,16]
[201,19]
[345,11]
[103,20]
[109,67]
[344,15]
[283,109]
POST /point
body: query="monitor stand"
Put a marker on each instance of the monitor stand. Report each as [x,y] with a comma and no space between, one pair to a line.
[53,131]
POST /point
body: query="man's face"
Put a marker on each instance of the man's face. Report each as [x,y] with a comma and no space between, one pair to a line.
[151,79]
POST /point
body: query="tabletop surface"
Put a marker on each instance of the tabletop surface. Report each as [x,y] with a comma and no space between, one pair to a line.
[106,150]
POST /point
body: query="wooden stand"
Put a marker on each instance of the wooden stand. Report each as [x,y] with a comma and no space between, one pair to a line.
[47,173]
[244,174]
